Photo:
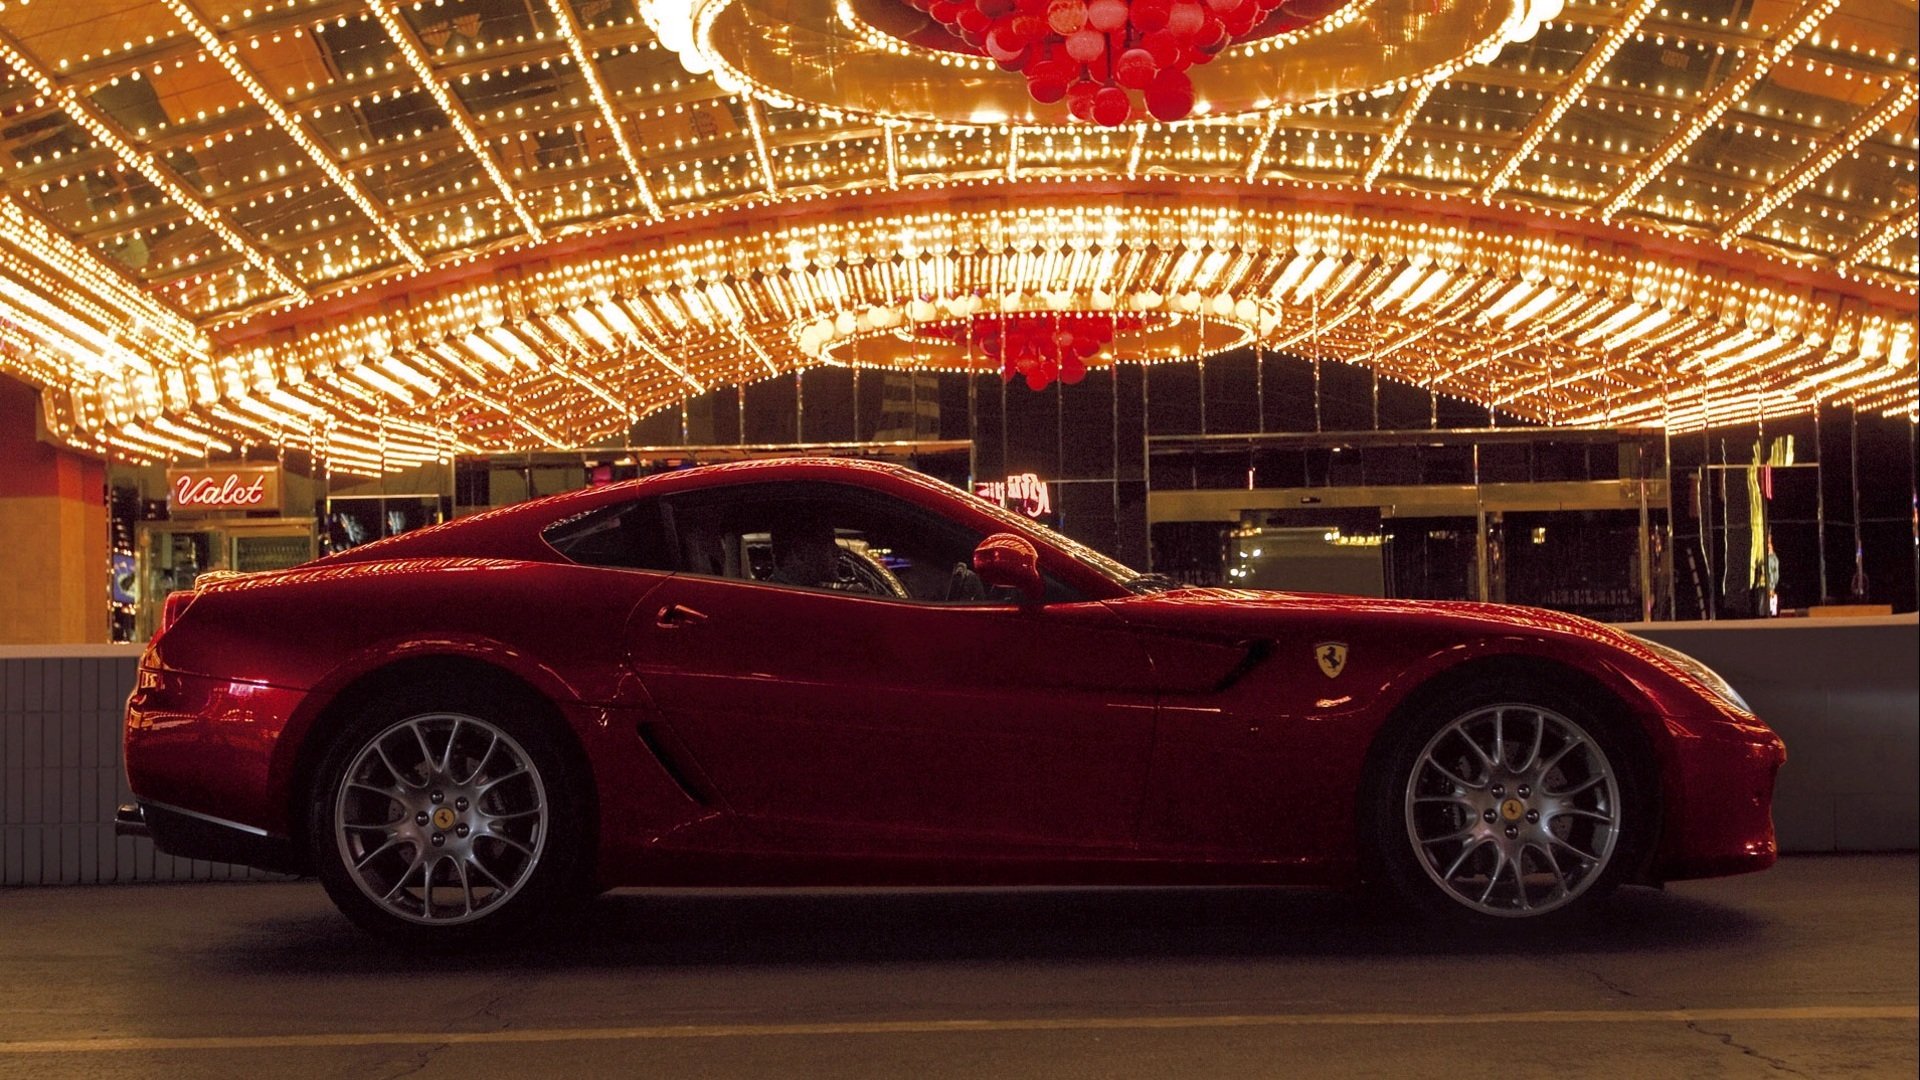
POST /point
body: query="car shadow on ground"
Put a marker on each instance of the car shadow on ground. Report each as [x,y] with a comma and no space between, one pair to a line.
[784,927]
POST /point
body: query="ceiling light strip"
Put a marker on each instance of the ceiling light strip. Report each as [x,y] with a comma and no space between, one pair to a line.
[1901,222]
[227,56]
[760,155]
[28,233]
[1731,90]
[1844,142]
[1583,76]
[409,46]
[515,417]
[81,111]
[1402,122]
[1258,155]
[590,71]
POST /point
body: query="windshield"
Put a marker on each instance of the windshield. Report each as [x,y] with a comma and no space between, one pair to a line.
[1112,569]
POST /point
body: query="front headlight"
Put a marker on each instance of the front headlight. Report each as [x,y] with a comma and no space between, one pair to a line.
[1708,678]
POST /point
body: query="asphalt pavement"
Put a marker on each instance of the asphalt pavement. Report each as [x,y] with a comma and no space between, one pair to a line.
[1806,970]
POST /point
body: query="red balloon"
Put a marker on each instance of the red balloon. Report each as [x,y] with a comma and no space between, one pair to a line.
[1003,45]
[1223,5]
[1134,68]
[993,9]
[1100,68]
[1084,45]
[1027,27]
[1072,370]
[1241,19]
[1170,96]
[1185,18]
[1148,15]
[1107,15]
[1060,70]
[945,11]
[1111,107]
[1046,89]
[1165,48]
[1066,16]
[973,19]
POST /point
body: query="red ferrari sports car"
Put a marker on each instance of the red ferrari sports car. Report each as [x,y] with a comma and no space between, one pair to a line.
[828,672]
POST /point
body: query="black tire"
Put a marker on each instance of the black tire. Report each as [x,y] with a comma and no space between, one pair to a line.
[1411,847]
[553,877]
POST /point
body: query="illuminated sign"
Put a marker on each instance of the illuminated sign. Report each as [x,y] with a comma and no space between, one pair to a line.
[1025,492]
[242,487]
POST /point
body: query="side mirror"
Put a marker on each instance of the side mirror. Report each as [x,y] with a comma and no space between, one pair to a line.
[1006,561]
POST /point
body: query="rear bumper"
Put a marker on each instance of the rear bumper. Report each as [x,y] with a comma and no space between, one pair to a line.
[188,835]
[208,746]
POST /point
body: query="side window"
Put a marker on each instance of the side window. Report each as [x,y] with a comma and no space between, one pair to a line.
[832,537]
[629,536]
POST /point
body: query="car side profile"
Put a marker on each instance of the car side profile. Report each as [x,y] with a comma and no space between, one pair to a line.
[805,672]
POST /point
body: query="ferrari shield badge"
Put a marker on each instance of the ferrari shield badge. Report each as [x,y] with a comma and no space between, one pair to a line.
[1332,657]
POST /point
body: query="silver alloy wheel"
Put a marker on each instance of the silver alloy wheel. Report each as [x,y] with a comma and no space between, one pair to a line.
[441,818]
[1513,810]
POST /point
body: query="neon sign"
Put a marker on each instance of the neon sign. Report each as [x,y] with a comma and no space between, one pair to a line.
[237,488]
[1024,492]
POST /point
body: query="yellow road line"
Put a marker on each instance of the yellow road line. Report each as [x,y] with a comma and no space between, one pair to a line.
[107,1044]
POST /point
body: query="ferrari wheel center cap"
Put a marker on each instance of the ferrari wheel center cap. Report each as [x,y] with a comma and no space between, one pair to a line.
[444,817]
[1511,809]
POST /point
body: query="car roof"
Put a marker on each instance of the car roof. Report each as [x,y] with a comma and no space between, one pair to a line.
[513,531]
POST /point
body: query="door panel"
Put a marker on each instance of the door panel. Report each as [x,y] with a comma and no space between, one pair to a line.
[844,721]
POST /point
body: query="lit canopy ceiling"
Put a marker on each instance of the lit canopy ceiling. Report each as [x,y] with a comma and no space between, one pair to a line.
[392,232]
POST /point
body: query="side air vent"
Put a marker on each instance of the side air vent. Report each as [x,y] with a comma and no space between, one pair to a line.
[658,740]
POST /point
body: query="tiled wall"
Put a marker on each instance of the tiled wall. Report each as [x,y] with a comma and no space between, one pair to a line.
[60,777]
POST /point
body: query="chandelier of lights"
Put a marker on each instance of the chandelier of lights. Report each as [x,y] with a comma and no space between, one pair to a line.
[1039,346]
[1092,52]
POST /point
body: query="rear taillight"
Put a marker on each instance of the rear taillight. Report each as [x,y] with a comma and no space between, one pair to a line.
[173,607]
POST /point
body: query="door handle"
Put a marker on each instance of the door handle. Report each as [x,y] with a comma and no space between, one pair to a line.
[677,615]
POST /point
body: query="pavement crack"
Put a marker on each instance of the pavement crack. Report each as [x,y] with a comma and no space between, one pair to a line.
[1726,1039]
[416,1061]
[489,1010]
[1609,984]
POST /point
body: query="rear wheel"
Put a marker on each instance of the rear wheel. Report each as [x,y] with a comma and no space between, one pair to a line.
[1515,804]
[438,819]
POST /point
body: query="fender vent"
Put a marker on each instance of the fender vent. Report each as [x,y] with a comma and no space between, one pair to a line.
[656,741]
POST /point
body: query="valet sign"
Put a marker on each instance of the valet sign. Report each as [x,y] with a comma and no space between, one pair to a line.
[1025,492]
[237,488]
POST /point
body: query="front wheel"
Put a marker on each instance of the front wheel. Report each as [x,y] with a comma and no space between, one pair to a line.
[447,823]
[1516,807]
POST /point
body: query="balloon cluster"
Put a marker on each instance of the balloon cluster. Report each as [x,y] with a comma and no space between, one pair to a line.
[1041,346]
[1092,52]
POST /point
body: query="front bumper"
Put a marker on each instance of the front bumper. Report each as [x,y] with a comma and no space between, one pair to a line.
[188,835]
[1719,805]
